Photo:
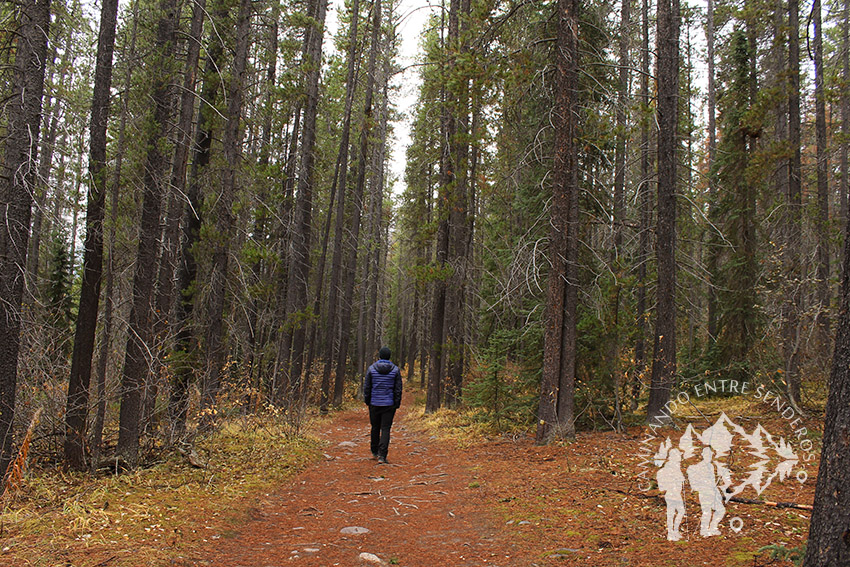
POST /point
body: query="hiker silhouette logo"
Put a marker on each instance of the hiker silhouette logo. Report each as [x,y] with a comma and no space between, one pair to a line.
[703,460]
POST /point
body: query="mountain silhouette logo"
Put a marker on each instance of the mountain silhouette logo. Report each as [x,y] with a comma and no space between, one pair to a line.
[703,459]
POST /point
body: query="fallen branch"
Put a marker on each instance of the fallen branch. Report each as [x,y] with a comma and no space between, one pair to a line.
[793,505]
[736,499]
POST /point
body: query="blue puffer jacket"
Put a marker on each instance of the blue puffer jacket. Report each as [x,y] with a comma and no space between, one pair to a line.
[383,384]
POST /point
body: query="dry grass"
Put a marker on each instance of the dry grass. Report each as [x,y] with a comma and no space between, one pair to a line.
[461,427]
[152,516]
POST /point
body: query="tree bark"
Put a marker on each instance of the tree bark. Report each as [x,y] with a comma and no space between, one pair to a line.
[829,530]
[844,192]
[667,112]
[18,180]
[136,360]
[352,237]
[645,212]
[222,212]
[299,262]
[792,292]
[96,438]
[76,410]
[185,340]
[556,408]
[822,223]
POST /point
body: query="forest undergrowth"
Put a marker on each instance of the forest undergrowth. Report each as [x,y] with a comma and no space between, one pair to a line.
[149,515]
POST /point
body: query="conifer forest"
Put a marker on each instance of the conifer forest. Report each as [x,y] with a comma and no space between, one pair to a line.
[557,214]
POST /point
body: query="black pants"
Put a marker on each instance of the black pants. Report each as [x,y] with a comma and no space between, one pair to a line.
[381,418]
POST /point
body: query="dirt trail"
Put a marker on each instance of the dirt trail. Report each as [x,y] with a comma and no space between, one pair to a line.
[424,508]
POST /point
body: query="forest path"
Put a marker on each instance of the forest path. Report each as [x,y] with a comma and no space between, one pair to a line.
[423,508]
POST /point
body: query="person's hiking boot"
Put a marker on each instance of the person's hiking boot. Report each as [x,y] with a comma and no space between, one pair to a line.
[375,456]
[382,460]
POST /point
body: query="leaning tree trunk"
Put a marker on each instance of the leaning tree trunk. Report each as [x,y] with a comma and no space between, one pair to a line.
[17,182]
[556,408]
[664,354]
[78,382]
[141,314]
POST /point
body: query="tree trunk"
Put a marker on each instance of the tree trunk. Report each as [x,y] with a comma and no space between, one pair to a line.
[619,203]
[96,440]
[278,388]
[20,152]
[791,320]
[448,164]
[339,184]
[645,212]
[185,340]
[556,408]
[822,223]
[352,237]
[458,216]
[829,530]
[713,240]
[377,274]
[845,114]
[299,262]
[256,318]
[76,410]
[176,190]
[222,212]
[664,350]
[136,361]
[45,165]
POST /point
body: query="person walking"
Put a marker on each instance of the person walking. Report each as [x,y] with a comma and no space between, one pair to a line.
[382,393]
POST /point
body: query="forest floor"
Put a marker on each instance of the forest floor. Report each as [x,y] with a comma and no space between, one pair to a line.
[501,501]
[469,501]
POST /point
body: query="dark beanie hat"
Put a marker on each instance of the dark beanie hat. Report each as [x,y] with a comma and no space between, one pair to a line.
[384,353]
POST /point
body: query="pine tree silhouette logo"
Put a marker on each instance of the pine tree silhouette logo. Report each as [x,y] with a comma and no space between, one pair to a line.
[703,460]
